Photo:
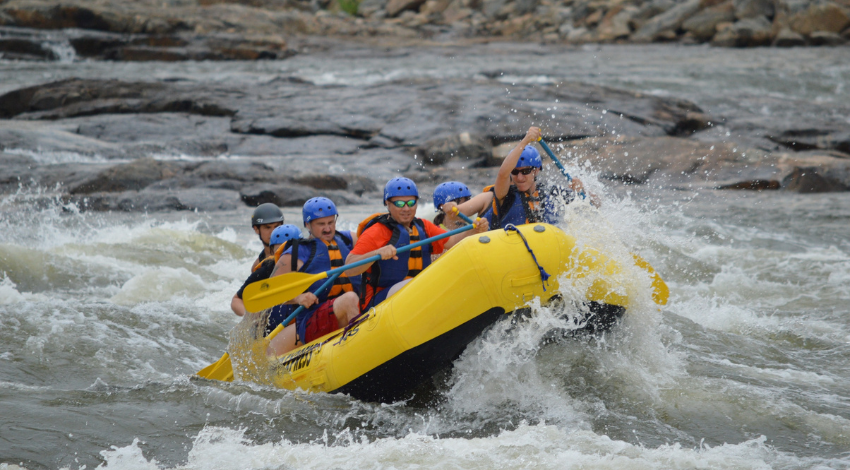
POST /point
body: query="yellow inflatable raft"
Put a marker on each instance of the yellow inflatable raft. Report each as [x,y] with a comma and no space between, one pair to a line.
[394,347]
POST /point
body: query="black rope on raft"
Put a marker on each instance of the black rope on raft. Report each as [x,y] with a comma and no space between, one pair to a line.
[544,276]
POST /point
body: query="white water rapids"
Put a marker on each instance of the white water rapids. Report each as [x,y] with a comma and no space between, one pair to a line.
[104,317]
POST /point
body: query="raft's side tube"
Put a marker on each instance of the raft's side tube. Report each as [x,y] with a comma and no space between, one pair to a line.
[435,316]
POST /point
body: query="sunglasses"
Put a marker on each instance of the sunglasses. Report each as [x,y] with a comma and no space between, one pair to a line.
[401,204]
[525,171]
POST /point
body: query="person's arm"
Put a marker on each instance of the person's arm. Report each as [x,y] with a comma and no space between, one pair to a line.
[503,179]
[374,241]
[386,252]
[237,305]
[479,226]
[475,206]
[284,264]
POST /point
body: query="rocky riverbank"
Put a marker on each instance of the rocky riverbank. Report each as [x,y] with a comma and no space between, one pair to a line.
[174,144]
[172,30]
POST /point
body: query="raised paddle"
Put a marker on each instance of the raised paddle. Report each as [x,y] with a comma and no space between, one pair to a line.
[660,291]
[279,289]
[222,369]
[557,162]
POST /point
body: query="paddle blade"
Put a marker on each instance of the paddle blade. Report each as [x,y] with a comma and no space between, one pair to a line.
[219,370]
[660,291]
[277,290]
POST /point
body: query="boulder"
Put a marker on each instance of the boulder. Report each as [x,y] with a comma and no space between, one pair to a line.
[820,17]
[284,195]
[463,146]
[814,138]
[615,24]
[235,170]
[129,176]
[753,8]
[359,184]
[826,38]
[751,32]
[703,26]
[322,181]
[395,7]
[753,185]
[370,8]
[788,38]
[670,20]
[812,180]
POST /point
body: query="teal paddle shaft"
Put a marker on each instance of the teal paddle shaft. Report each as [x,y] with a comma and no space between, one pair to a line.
[557,163]
[321,289]
[426,241]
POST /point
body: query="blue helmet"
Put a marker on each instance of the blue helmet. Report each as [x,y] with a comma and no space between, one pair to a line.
[400,187]
[529,157]
[284,233]
[450,191]
[316,208]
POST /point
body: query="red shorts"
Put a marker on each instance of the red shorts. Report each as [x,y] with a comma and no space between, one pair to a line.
[321,322]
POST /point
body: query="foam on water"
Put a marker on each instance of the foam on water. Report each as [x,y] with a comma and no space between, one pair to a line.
[529,446]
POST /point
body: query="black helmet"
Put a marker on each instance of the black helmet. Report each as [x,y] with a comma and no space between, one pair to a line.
[266,213]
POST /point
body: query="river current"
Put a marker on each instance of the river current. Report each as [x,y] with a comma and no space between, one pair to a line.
[105,317]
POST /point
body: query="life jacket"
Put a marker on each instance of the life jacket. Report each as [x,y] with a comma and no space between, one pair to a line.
[519,208]
[318,257]
[385,273]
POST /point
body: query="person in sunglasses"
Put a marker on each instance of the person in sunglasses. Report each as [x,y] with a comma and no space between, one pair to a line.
[517,198]
[381,234]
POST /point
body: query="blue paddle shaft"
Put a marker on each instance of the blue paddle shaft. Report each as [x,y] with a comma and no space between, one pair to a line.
[426,241]
[557,162]
[321,288]
[464,217]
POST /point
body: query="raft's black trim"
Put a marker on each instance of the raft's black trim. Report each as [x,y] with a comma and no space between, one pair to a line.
[394,379]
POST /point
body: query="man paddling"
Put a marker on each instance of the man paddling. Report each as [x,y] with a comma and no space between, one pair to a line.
[382,234]
[326,249]
[265,219]
[517,198]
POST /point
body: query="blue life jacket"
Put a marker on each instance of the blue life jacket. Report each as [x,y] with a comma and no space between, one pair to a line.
[314,255]
[521,208]
[385,273]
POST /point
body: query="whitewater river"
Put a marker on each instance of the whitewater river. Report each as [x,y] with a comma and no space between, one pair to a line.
[105,317]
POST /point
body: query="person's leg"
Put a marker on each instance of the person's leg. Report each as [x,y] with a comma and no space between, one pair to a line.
[397,286]
[346,308]
[284,342]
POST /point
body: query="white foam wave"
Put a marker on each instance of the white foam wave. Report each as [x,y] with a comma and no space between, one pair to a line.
[538,446]
[159,285]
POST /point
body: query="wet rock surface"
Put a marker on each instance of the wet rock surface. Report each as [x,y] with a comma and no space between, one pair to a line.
[164,144]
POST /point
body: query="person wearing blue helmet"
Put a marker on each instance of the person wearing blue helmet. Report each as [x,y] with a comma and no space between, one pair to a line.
[450,191]
[326,249]
[517,197]
[381,234]
[277,239]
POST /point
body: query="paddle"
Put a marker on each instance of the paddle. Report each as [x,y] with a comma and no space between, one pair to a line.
[223,368]
[660,291]
[279,289]
[558,163]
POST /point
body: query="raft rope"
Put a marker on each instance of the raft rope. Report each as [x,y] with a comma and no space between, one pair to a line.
[544,276]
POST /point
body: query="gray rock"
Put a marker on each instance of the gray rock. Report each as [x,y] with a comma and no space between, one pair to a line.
[369,8]
[322,181]
[788,38]
[235,170]
[812,180]
[703,25]
[463,146]
[670,20]
[751,32]
[814,138]
[826,38]
[133,176]
[284,195]
[820,16]
[395,7]
[753,8]
[359,184]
